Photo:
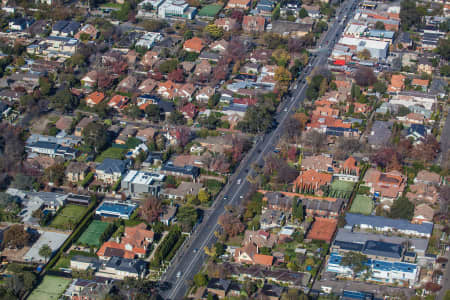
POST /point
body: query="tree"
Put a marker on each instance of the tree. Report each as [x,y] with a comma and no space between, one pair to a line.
[23,182]
[231,224]
[104,79]
[203,196]
[150,209]
[356,261]
[15,237]
[380,87]
[168,66]
[45,252]
[409,14]
[297,209]
[45,86]
[176,75]
[187,216]
[55,174]
[379,25]
[427,150]
[281,57]
[153,25]
[95,136]
[302,13]
[177,118]
[364,54]
[200,279]
[444,48]
[214,31]
[283,78]
[314,139]
[220,72]
[402,209]
[64,100]
[276,12]
[365,76]
[153,112]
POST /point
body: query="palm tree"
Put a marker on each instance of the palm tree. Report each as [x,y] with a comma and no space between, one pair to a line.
[45,251]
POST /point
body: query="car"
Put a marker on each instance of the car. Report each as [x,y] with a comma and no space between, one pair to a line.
[241,196]
[178,274]
[286,109]
[239,181]
[195,250]
[225,198]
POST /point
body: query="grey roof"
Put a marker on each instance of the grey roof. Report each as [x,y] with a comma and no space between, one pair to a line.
[328,206]
[58,26]
[84,259]
[111,166]
[272,290]
[46,145]
[135,266]
[350,246]
[219,284]
[283,27]
[71,27]
[382,222]
[438,86]
[345,235]
[384,249]
[187,169]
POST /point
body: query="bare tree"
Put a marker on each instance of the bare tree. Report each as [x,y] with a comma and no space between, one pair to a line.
[150,209]
[315,140]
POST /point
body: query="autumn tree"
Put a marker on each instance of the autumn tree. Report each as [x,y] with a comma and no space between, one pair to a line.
[387,158]
[15,237]
[183,136]
[214,31]
[315,140]
[150,209]
[427,150]
[365,76]
[55,174]
[104,79]
[231,224]
[281,57]
[11,147]
[283,78]
[176,75]
[364,54]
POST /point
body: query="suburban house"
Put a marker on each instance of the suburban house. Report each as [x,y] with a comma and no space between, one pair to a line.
[184,190]
[348,170]
[248,254]
[81,262]
[110,170]
[227,24]
[94,98]
[322,208]
[312,181]
[242,4]
[387,186]
[428,177]
[168,214]
[319,163]
[253,24]
[135,242]
[116,209]
[423,213]
[205,93]
[118,102]
[76,171]
[271,219]
[187,171]
[194,45]
[121,268]
[278,201]
[260,238]
[82,125]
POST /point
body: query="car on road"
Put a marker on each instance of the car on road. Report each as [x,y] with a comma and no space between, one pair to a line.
[178,274]
[241,196]
[239,181]
[195,250]
[286,109]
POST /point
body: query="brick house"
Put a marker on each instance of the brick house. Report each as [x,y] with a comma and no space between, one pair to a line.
[253,24]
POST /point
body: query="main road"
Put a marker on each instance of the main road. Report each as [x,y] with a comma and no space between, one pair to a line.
[189,260]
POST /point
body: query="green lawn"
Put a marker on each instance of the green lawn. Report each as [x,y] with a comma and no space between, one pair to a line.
[51,288]
[362,205]
[210,10]
[91,236]
[213,186]
[112,152]
[68,217]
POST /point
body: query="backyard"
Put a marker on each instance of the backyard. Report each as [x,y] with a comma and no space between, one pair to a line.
[91,236]
[111,152]
[68,217]
[51,288]
[341,189]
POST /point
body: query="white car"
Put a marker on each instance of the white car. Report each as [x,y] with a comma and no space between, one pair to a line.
[179,274]
[239,181]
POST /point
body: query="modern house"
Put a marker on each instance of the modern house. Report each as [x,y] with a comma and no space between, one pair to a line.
[121,268]
[110,170]
[138,183]
[115,209]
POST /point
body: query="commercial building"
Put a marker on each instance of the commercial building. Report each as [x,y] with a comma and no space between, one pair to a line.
[377,49]
[176,8]
[149,39]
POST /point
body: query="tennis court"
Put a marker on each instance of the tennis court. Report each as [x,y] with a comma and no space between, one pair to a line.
[362,205]
[68,217]
[51,288]
[91,236]
[341,189]
[210,10]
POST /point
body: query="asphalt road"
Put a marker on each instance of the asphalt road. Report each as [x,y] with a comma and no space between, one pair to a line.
[190,259]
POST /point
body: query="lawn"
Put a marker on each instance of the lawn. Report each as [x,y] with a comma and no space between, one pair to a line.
[213,186]
[68,217]
[51,288]
[210,10]
[91,236]
[362,205]
[111,152]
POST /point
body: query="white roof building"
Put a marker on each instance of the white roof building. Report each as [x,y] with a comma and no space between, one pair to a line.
[149,39]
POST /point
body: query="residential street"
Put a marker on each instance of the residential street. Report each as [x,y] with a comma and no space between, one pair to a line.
[189,261]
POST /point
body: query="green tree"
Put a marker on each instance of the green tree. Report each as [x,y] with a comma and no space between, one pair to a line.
[402,209]
[153,112]
[356,261]
[302,13]
[276,12]
[200,279]
[45,251]
[64,100]
[204,196]
[55,174]
[409,14]
[168,66]
[45,86]
[95,136]
[379,25]
[297,209]
[177,118]
[380,87]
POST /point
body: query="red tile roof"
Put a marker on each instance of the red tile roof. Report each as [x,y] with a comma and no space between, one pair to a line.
[95,98]
[194,45]
[322,229]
